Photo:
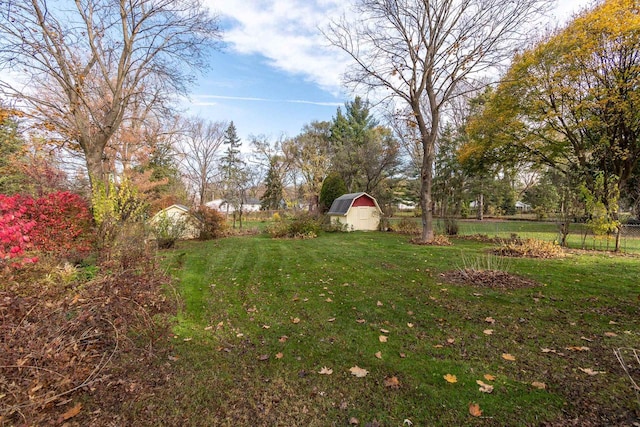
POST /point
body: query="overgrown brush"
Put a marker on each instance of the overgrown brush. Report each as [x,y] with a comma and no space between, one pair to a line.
[529,248]
[303,226]
[407,226]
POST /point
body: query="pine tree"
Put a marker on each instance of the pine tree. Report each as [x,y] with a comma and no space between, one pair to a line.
[274,193]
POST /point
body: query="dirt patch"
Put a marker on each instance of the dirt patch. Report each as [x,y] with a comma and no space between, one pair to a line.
[494,279]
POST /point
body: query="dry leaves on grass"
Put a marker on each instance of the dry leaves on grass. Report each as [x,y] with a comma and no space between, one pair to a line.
[452,379]
[484,387]
[474,410]
[591,372]
[383,338]
[325,371]
[392,382]
[509,357]
[357,371]
[539,385]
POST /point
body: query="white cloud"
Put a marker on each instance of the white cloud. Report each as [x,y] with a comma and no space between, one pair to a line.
[247,98]
[286,32]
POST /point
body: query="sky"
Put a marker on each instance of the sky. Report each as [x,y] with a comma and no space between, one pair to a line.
[275,72]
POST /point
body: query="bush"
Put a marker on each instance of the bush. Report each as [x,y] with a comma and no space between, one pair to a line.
[167,230]
[212,223]
[302,226]
[530,248]
[15,228]
[408,226]
[63,225]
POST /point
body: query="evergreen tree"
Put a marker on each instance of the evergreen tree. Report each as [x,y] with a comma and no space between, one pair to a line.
[274,193]
[332,188]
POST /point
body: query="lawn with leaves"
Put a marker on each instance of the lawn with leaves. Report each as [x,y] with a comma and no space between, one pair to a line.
[361,328]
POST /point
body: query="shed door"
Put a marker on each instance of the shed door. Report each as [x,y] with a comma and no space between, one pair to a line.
[363,214]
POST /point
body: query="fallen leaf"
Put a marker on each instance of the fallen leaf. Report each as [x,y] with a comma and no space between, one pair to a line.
[187,339]
[402,355]
[383,338]
[490,320]
[451,340]
[489,377]
[361,321]
[219,325]
[548,350]
[474,409]
[484,387]
[450,378]
[208,328]
[325,371]
[266,326]
[295,320]
[610,334]
[329,300]
[612,322]
[591,372]
[72,412]
[379,355]
[263,357]
[410,325]
[438,346]
[507,356]
[379,304]
[392,382]
[384,331]
[173,358]
[296,298]
[358,372]
[586,339]
[575,348]
[539,385]
[283,338]
[353,421]
[333,319]
[488,331]
[279,355]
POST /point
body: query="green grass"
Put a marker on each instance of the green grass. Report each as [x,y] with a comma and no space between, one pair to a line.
[242,295]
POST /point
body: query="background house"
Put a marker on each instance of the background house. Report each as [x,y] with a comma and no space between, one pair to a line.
[249,204]
[358,211]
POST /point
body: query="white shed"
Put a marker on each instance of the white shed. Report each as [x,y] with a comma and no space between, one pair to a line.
[358,211]
[179,213]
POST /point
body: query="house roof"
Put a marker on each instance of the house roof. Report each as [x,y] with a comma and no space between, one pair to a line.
[342,204]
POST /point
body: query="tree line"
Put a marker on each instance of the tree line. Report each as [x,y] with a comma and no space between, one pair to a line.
[558,130]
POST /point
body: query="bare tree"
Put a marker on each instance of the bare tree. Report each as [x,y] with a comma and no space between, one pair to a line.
[86,61]
[420,51]
[198,148]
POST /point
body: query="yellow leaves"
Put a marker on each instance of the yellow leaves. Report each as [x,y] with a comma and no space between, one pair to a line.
[489,377]
[378,355]
[490,320]
[295,320]
[383,338]
[358,372]
[577,348]
[279,355]
[509,357]
[488,332]
[474,410]
[539,385]
[451,379]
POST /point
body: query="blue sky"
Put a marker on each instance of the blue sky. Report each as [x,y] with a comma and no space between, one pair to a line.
[276,72]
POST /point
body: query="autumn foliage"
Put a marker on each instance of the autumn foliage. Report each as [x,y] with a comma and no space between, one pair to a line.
[15,227]
[59,223]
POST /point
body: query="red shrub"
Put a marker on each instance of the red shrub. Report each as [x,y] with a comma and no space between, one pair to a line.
[59,223]
[62,223]
[15,227]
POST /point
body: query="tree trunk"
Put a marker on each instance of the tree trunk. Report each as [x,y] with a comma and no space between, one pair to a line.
[95,168]
[480,207]
[426,197]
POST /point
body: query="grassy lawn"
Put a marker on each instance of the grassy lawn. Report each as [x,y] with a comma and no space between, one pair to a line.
[262,317]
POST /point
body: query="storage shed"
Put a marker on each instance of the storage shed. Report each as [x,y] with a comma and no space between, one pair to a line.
[358,211]
[176,214]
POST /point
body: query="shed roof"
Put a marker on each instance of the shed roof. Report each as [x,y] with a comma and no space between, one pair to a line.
[342,204]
